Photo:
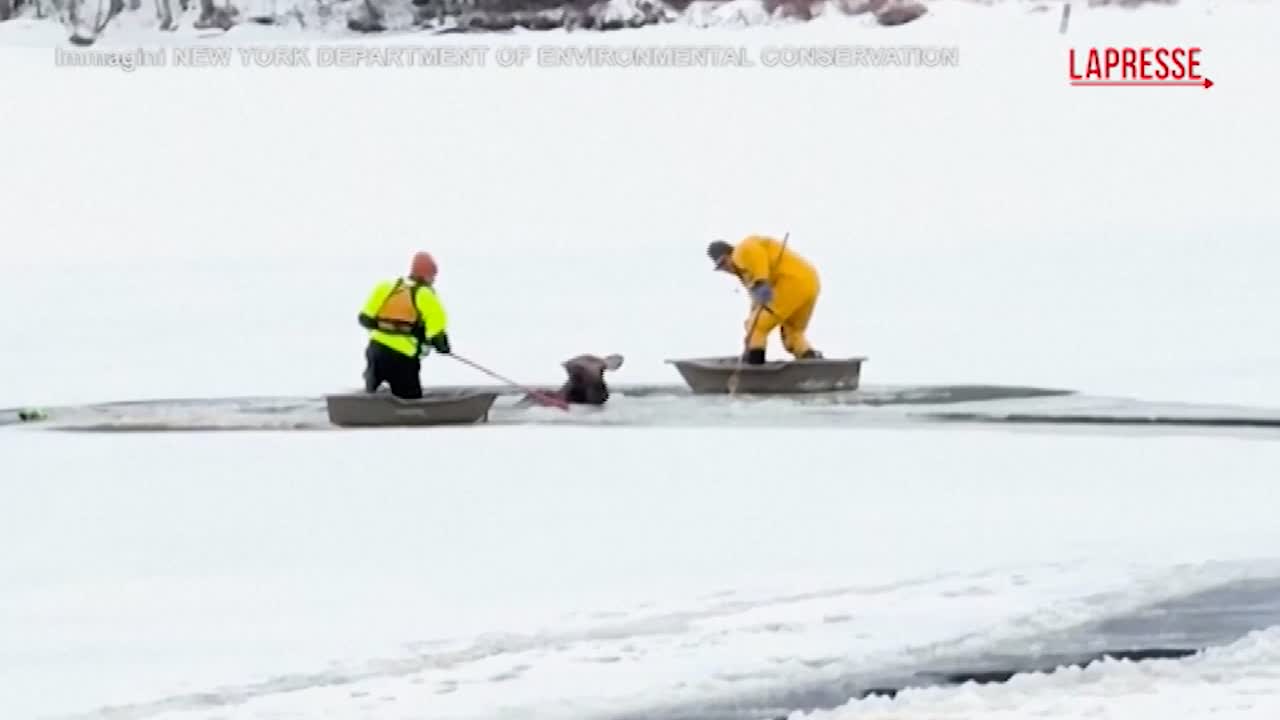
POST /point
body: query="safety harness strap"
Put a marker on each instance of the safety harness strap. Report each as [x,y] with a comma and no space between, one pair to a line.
[400,327]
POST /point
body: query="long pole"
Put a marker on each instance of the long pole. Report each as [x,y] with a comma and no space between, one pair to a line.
[540,396]
[755,317]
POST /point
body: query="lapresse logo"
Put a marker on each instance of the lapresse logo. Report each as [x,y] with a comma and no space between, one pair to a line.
[1136,67]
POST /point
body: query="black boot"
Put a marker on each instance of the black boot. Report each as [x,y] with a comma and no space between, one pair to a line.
[753,357]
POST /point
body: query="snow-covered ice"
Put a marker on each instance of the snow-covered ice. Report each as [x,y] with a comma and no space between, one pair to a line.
[979,223]
[182,233]
[311,575]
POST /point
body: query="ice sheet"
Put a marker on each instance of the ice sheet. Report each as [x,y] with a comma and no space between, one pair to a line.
[558,572]
[981,223]
[184,233]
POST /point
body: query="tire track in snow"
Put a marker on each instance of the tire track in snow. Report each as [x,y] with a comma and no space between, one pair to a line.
[828,676]
[482,648]
[1225,604]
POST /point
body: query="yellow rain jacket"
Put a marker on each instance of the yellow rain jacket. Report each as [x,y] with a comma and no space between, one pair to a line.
[795,291]
[402,315]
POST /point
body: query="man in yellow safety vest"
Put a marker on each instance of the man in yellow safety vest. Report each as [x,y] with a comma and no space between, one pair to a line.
[405,320]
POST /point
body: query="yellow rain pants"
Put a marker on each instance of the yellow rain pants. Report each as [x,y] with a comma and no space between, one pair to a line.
[795,292]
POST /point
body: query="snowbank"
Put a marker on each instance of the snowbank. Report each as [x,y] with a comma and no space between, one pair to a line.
[1238,682]
[89,18]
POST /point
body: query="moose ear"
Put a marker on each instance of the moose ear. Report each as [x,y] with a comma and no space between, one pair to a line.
[613,362]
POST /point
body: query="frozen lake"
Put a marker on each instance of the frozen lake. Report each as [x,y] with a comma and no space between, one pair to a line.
[1064,444]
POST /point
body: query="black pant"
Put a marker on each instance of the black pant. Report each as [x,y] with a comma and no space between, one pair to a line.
[382,364]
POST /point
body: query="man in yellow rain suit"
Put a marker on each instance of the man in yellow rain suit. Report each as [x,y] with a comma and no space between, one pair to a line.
[404,318]
[784,289]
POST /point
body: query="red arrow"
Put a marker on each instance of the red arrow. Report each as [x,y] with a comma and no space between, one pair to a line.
[1205,83]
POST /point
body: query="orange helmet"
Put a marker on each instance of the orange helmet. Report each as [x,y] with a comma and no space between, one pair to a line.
[423,267]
